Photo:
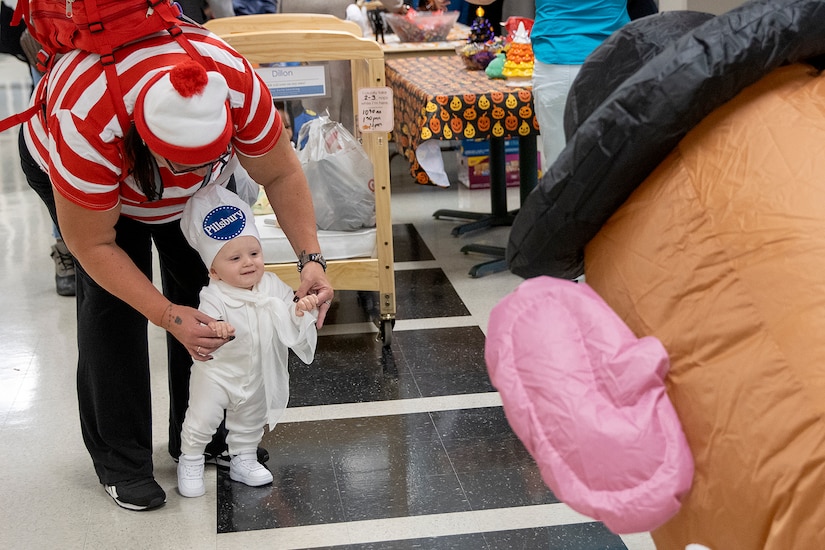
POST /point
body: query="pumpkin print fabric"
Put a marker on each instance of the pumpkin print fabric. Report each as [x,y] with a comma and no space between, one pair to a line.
[438,98]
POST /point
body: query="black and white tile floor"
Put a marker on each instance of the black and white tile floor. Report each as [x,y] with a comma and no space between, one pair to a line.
[396,448]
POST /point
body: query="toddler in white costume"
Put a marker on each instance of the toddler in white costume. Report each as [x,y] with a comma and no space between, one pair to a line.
[247,376]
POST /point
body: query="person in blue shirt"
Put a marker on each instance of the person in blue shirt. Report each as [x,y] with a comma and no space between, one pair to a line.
[564,33]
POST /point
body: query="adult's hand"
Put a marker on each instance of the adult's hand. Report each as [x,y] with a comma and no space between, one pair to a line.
[189,327]
[314,281]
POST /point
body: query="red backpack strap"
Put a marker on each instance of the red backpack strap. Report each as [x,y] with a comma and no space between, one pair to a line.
[38,102]
[19,10]
[170,14]
[107,58]
[19,118]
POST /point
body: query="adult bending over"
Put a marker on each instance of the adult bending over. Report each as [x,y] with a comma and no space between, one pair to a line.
[115,191]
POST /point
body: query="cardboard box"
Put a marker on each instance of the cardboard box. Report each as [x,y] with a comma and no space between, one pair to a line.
[474,163]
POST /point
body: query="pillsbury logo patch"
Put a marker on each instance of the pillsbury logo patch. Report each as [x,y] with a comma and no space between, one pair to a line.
[224,223]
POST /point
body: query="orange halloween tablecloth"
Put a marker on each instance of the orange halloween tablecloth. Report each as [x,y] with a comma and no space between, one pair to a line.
[437,97]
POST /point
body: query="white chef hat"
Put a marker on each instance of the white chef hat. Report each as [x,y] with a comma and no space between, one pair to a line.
[182,114]
[212,217]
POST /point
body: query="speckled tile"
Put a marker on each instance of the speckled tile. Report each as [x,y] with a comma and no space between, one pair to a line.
[353,368]
[419,294]
[581,536]
[352,469]
[494,468]
[585,536]
[445,361]
[427,294]
[407,244]
[472,541]
[302,494]
[350,368]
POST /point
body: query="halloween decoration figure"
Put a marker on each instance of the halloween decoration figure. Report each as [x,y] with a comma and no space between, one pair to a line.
[481,30]
[496,67]
[518,67]
[690,195]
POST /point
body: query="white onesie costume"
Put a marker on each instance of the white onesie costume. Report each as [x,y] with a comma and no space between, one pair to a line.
[248,376]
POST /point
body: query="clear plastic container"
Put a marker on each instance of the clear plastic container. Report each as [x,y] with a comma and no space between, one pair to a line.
[422,26]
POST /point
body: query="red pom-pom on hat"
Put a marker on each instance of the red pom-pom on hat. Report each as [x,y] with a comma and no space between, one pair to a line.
[188,78]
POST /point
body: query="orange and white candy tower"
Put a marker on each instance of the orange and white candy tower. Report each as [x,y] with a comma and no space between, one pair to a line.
[520,58]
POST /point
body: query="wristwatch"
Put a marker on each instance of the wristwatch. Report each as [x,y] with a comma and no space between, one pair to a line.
[316,257]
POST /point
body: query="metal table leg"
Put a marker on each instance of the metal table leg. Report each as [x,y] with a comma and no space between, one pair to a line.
[498,197]
[528,179]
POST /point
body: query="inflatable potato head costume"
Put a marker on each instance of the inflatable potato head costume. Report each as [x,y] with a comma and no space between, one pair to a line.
[692,194]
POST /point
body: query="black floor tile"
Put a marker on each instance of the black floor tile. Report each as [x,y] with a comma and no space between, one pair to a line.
[407,244]
[350,368]
[345,470]
[353,368]
[419,294]
[494,468]
[301,494]
[395,466]
[426,294]
[353,306]
[472,541]
[445,361]
[505,486]
[582,536]
[585,536]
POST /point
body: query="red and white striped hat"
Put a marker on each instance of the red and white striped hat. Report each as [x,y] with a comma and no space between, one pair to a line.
[183,115]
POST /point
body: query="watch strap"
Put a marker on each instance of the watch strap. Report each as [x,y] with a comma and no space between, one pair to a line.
[316,257]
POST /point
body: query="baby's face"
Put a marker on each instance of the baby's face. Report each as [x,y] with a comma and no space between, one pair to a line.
[239,263]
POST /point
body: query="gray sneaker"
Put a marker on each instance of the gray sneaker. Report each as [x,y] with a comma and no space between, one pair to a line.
[64,272]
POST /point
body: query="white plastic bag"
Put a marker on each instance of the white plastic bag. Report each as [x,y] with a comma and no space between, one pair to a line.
[340,176]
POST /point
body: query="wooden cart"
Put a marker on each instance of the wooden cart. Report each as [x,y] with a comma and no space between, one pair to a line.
[275,38]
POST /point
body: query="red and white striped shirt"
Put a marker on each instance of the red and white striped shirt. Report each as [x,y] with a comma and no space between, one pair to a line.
[82,147]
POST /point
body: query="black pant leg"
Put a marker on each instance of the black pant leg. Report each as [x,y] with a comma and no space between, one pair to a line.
[113,382]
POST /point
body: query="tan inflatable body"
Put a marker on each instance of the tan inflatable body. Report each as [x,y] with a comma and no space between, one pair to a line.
[720,254]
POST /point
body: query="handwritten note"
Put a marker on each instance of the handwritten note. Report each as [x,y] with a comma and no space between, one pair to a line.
[375,109]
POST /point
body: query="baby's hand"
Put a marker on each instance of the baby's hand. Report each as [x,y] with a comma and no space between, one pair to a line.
[222,329]
[307,303]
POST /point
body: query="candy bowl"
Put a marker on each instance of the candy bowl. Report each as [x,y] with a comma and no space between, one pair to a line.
[477,56]
[422,26]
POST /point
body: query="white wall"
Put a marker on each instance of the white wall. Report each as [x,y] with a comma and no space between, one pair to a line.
[709,6]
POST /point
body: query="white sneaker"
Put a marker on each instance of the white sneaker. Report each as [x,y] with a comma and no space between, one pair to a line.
[190,476]
[246,469]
